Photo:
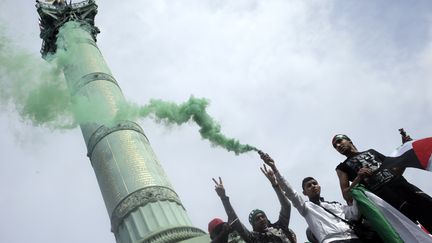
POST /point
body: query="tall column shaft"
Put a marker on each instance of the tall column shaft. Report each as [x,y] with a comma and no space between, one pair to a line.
[140,200]
[141,203]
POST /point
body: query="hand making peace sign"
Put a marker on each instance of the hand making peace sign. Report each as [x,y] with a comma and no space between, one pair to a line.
[219,188]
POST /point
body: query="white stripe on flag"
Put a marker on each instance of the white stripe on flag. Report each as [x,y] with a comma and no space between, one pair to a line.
[402,149]
[407,230]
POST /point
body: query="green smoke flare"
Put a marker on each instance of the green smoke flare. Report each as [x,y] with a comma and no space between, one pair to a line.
[33,87]
[38,91]
[194,109]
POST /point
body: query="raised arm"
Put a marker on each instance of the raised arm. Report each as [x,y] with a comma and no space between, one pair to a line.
[290,193]
[285,213]
[233,220]
[220,190]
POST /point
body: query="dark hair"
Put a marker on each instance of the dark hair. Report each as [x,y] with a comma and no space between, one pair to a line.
[339,136]
[216,231]
[305,180]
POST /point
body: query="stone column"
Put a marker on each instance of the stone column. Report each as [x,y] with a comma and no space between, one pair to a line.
[141,202]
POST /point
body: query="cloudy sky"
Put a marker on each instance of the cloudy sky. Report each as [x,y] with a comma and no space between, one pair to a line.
[282,75]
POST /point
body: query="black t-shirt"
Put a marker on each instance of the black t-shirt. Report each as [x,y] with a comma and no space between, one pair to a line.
[367,159]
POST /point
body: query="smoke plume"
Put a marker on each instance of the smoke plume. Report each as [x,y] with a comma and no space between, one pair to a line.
[37,90]
[33,87]
[192,110]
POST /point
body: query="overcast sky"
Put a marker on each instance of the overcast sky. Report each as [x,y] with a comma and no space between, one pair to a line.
[282,75]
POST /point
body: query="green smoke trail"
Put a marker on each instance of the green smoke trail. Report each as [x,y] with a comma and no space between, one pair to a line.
[194,109]
[38,91]
[33,87]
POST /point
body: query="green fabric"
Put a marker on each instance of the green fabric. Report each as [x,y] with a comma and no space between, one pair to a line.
[375,217]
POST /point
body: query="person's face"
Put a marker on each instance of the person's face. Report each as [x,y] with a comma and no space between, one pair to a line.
[260,222]
[312,189]
[344,146]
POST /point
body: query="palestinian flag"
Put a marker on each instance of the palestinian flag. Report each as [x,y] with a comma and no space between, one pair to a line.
[416,153]
[391,225]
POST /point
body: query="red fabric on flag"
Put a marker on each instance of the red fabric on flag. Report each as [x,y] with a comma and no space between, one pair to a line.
[423,150]
[424,229]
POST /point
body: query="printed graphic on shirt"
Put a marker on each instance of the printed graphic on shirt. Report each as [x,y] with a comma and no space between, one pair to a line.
[364,160]
[369,160]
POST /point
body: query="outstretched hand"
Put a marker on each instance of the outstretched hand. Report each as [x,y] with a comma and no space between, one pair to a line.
[219,188]
[267,159]
[269,174]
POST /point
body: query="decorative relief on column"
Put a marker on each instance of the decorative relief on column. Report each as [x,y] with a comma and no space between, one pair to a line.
[141,198]
[174,235]
[53,17]
[103,131]
[86,79]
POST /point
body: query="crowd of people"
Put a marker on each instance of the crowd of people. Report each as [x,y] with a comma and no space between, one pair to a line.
[329,222]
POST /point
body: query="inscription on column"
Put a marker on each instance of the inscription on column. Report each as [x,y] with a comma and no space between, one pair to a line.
[138,167]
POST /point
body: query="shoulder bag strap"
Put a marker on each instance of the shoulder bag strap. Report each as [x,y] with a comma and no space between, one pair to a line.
[330,212]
